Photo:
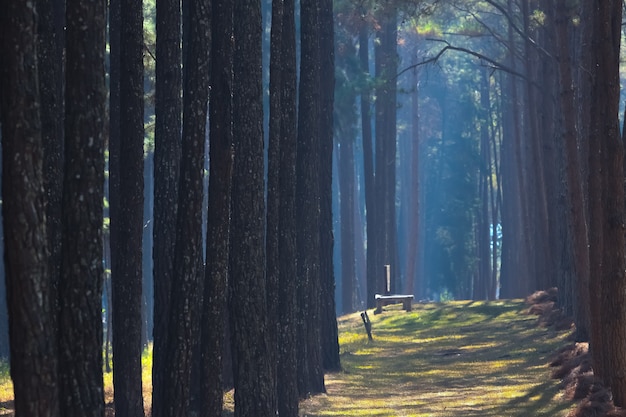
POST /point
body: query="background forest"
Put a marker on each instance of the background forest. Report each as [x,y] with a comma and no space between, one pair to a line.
[470,145]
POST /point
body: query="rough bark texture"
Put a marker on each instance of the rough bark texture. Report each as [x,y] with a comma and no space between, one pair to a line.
[328,325]
[218,227]
[609,352]
[127,219]
[273,180]
[33,342]
[80,322]
[310,375]
[254,385]
[574,182]
[50,63]
[286,371]
[167,148]
[188,268]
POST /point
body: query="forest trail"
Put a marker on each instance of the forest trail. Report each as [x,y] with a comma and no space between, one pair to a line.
[460,358]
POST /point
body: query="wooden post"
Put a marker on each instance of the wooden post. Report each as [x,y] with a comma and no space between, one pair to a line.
[368,324]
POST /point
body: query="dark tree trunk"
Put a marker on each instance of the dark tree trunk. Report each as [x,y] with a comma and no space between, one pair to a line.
[609,361]
[218,227]
[186,279]
[33,340]
[310,375]
[273,179]
[80,289]
[51,92]
[286,371]
[576,213]
[328,325]
[254,385]
[127,219]
[167,149]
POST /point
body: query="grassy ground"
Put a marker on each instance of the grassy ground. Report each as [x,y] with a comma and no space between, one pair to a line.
[460,358]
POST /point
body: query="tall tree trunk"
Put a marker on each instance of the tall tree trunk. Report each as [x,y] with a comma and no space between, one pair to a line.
[310,375]
[286,371]
[167,149]
[50,66]
[80,288]
[414,207]
[328,325]
[576,213]
[273,179]
[218,227]
[188,267]
[346,191]
[127,219]
[368,167]
[608,352]
[254,384]
[33,338]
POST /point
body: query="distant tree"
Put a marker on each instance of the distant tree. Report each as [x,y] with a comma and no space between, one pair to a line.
[254,382]
[127,218]
[186,290]
[167,149]
[214,313]
[287,386]
[80,289]
[346,134]
[368,168]
[33,340]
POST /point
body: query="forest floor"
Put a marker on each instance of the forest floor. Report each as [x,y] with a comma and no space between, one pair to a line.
[459,358]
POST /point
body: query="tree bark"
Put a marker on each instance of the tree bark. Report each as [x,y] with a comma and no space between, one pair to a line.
[310,375]
[80,322]
[33,339]
[254,385]
[188,269]
[218,227]
[328,325]
[286,371]
[606,148]
[167,149]
[127,219]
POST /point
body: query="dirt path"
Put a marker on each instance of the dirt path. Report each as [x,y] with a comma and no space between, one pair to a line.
[471,359]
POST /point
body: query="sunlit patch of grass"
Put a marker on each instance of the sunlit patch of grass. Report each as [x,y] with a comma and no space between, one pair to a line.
[146,381]
[6,387]
[457,358]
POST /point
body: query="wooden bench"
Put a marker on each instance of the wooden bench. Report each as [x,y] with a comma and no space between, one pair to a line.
[383,300]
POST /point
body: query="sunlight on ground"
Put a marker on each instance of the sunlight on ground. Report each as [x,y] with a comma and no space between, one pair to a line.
[460,358]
